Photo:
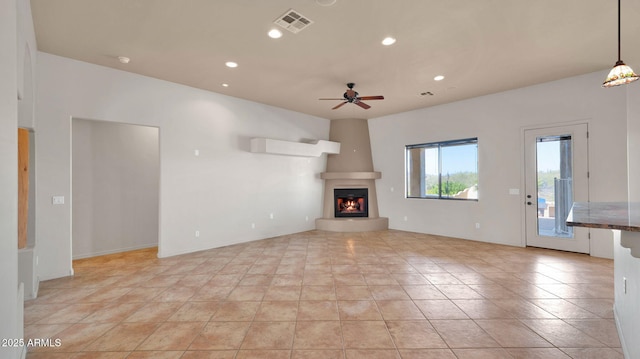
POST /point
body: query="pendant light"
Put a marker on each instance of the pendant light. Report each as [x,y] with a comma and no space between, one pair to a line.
[620,74]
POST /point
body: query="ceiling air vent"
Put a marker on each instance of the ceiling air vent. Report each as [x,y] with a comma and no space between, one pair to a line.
[293,21]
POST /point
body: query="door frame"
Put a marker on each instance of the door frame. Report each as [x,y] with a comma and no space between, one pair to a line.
[71,197]
[523,170]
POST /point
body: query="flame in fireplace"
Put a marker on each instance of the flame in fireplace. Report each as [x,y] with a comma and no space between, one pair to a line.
[350,206]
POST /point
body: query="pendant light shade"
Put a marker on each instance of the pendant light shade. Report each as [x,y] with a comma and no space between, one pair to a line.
[620,74]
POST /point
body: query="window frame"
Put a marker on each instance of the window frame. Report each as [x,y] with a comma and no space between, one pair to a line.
[438,145]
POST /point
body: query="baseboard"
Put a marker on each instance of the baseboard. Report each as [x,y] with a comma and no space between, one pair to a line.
[239,240]
[34,293]
[219,244]
[118,250]
[623,344]
[36,288]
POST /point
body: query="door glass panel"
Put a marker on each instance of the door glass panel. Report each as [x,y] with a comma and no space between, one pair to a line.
[555,188]
[556,174]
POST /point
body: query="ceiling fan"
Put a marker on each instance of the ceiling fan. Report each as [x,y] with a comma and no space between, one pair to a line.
[351,96]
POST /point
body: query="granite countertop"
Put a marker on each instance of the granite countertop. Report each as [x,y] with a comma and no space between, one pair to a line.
[608,215]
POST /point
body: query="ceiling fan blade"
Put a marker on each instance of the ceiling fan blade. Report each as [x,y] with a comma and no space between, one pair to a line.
[341,99]
[362,104]
[371,98]
[340,105]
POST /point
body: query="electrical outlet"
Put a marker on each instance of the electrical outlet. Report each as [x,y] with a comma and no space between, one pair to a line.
[253,225]
[477,225]
[197,234]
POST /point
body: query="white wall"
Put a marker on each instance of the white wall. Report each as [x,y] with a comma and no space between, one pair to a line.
[498,121]
[17,42]
[16,32]
[633,140]
[8,176]
[26,53]
[221,192]
[116,187]
[627,309]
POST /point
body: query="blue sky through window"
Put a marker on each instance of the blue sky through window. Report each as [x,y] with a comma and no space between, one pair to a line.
[455,159]
[548,156]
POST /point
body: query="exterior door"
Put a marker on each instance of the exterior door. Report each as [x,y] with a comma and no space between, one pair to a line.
[556,175]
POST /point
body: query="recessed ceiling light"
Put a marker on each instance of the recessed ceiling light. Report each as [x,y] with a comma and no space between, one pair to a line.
[225,85]
[388,41]
[275,34]
[123,59]
[439,78]
[231,64]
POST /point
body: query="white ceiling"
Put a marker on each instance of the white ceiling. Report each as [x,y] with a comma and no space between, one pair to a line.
[481,47]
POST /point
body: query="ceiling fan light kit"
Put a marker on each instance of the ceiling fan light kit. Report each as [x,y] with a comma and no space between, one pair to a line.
[620,74]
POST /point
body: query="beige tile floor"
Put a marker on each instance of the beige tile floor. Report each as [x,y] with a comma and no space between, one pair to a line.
[388,294]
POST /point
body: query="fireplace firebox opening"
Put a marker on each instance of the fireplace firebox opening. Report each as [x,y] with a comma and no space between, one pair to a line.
[351,202]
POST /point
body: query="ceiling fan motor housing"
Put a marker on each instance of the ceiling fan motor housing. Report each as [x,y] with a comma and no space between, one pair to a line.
[350,96]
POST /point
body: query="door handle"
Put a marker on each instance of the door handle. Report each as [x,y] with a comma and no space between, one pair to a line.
[529,203]
[528,196]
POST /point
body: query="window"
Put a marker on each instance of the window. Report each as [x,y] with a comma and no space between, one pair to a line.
[445,170]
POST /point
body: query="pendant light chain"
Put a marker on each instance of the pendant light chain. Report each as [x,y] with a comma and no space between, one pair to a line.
[619,47]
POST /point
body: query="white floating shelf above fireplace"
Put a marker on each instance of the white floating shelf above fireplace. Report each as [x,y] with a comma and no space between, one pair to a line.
[350,175]
[288,148]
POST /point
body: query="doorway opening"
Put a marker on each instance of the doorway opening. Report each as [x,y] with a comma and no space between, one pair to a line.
[115,187]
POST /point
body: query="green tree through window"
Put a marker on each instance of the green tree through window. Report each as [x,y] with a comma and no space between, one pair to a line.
[446,170]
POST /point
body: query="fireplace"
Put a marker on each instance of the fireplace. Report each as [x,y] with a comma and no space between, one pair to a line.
[351,202]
